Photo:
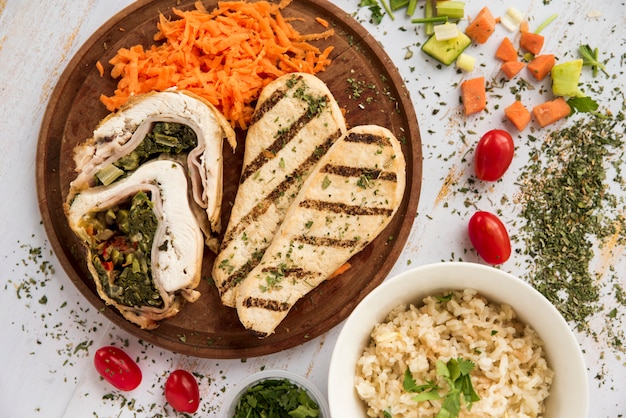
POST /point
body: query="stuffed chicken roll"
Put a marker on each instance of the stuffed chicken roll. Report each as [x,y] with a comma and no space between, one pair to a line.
[144,245]
[153,124]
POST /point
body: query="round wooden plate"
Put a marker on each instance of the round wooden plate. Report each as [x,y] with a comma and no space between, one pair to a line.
[365,83]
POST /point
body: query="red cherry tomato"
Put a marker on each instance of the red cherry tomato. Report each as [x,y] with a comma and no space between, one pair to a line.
[490,237]
[117,368]
[181,391]
[494,154]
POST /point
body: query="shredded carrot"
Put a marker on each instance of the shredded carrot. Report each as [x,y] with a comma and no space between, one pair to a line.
[322,22]
[226,55]
[100,68]
[344,267]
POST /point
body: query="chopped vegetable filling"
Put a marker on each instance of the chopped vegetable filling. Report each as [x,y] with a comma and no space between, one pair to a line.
[121,251]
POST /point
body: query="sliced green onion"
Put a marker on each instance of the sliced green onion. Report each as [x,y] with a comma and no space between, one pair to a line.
[109,174]
[512,19]
[446,31]
[410,10]
[452,9]
[426,20]
[546,23]
[398,4]
[465,62]
[429,13]
[387,9]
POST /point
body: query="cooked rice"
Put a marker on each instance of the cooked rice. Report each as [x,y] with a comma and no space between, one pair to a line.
[511,376]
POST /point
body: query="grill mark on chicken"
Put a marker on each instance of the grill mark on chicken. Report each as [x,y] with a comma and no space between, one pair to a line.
[273,100]
[345,171]
[267,105]
[326,242]
[282,272]
[279,190]
[264,205]
[282,139]
[269,304]
[367,138]
[336,207]
[293,273]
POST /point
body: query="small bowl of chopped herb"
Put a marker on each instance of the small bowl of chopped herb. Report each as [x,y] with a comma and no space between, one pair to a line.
[275,393]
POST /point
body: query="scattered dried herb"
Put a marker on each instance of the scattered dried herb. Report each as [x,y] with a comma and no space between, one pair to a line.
[568,209]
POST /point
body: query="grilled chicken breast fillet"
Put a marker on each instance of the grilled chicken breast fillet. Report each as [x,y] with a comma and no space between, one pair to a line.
[177,248]
[120,133]
[295,122]
[347,200]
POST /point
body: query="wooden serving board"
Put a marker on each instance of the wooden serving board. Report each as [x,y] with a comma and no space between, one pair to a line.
[206,328]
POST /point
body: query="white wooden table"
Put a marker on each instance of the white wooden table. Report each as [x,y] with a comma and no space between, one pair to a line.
[49,332]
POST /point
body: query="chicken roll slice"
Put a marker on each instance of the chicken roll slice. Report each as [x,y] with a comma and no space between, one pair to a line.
[144,246]
[153,124]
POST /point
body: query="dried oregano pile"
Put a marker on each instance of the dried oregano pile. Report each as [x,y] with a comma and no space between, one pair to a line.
[571,214]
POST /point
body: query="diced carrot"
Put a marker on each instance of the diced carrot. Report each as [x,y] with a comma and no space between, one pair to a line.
[481,27]
[474,95]
[100,68]
[344,267]
[541,65]
[512,68]
[523,27]
[531,42]
[226,55]
[518,115]
[506,51]
[551,111]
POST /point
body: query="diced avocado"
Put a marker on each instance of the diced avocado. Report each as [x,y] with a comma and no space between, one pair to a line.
[565,78]
[448,50]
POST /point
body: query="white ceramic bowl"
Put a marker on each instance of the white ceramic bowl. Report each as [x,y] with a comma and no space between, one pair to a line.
[569,391]
[233,395]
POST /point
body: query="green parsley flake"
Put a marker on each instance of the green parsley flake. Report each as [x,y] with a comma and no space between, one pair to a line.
[456,373]
[276,398]
[567,207]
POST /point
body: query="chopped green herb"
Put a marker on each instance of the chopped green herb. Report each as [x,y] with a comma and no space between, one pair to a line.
[456,373]
[590,59]
[325,183]
[276,398]
[376,12]
[165,137]
[567,207]
[582,104]
[444,298]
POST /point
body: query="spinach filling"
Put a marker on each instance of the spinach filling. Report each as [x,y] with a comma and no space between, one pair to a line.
[121,247]
[165,137]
